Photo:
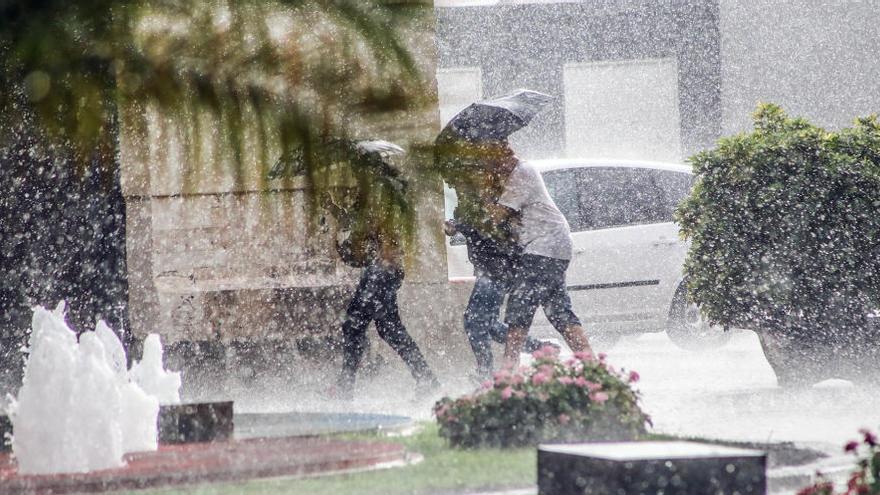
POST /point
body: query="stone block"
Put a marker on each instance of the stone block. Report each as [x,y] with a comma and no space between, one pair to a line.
[5,433]
[668,468]
[198,422]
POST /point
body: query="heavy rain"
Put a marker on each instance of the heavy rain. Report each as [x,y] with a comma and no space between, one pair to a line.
[293,246]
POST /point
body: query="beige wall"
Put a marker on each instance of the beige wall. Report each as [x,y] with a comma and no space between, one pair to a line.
[213,256]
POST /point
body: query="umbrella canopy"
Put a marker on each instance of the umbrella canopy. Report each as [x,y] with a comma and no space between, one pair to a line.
[496,118]
[368,153]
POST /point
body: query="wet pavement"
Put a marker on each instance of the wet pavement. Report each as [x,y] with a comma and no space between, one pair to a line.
[730,393]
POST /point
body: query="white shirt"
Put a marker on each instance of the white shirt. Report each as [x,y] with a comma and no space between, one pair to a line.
[544,230]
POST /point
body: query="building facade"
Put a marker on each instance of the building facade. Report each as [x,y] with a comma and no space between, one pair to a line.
[659,79]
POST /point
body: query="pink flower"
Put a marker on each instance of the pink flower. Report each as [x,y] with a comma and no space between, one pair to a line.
[519,393]
[517,379]
[634,376]
[851,446]
[501,377]
[583,356]
[506,393]
[565,380]
[870,438]
[599,397]
[539,378]
[547,369]
[593,387]
[486,385]
[546,351]
[602,356]
[564,419]
[580,381]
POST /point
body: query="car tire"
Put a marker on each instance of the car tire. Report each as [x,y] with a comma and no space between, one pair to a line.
[687,328]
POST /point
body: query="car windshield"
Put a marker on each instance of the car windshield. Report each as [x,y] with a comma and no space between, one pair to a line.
[603,197]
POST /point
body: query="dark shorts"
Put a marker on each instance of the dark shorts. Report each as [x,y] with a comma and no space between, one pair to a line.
[540,281]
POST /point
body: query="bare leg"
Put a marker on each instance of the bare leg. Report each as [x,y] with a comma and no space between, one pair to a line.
[516,338]
[576,338]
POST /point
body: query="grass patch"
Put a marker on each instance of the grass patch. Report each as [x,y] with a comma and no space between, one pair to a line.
[443,469]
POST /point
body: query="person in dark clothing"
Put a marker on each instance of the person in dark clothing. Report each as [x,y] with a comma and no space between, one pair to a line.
[375,299]
[375,210]
[493,252]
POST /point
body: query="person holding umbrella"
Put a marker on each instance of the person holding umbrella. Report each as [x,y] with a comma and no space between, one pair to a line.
[545,237]
[375,219]
[464,155]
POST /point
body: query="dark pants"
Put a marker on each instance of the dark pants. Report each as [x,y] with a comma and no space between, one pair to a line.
[375,299]
[481,321]
[540,281]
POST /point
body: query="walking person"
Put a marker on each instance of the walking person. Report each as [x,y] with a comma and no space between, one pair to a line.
[377,214]
[494,260]
[468,166]
[376,242]
[545,238]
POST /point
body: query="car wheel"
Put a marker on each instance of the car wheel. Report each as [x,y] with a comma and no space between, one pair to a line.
[688,329]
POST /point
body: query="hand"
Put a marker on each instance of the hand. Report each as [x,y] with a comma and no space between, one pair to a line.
[449,228]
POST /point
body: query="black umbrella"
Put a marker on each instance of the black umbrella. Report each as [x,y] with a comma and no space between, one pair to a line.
[496,118]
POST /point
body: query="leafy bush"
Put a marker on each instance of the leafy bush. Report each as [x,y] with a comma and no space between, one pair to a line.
[578,399]
[785,227]
[864,479]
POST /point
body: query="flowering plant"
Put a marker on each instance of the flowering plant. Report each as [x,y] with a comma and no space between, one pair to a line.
[865,479]
[577,399]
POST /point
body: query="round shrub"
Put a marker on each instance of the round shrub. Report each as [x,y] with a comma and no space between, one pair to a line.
[784,223]
[583,398]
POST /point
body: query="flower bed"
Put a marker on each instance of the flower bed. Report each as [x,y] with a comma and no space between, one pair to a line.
[583,398]
[865,478]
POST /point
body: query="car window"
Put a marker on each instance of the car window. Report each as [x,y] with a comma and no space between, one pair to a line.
[567,187]
[676,185]
[603,197]
[564,186]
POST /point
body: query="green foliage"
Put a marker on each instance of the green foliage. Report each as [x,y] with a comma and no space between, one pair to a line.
[580,399]
[784,226]
[443,470]
[256,78]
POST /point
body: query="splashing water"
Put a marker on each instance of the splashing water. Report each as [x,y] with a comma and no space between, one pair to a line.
[79,408]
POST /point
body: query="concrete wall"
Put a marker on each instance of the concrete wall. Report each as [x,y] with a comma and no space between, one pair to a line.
[818,60]
[527,45]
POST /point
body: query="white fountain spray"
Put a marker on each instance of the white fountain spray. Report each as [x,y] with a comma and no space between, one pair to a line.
[79,409]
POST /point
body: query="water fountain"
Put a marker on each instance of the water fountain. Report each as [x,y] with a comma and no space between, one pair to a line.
[79,408]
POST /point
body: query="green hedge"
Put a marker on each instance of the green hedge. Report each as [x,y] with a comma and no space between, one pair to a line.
[784,223]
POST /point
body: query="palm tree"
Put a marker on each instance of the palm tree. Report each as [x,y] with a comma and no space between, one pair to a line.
[310,69]
[275,77]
